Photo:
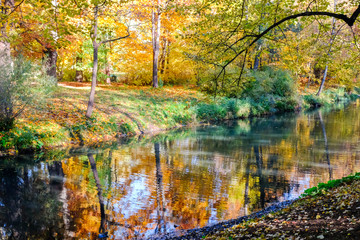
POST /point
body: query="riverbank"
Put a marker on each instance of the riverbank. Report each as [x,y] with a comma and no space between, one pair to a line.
[329,211]
[123,111]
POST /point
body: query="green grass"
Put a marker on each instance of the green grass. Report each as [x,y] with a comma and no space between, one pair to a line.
[127,111]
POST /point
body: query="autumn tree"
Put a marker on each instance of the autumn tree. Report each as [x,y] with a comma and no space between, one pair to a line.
[332,39]
[101,10]
[40,29]
[232,32]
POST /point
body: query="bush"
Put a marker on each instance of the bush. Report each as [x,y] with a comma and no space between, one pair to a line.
[21,84]
[244,108]
[210,112]
[268,81]
[312,101]
[126,128]
[323,187]
[23,140]
[328,98]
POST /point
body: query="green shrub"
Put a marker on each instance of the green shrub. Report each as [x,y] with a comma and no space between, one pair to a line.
[28,140]
[183,118]
[22,139]
[244,108]
[312,101]
[286,104]
[231,106]
[22,83]
[126,128]
[268,81]
[322,187]
[210,112]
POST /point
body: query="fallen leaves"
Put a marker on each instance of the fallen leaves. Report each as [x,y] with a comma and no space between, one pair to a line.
[333,215]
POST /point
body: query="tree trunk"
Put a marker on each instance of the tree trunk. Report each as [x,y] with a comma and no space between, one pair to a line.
[332,38]
[107,73]
[156,42]
[257,61]
[322,81]
[91,102]
[162,60]
[79,75]
[4,44]
[51,59]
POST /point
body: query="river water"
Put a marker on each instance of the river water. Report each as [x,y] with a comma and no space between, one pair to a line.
[185,179]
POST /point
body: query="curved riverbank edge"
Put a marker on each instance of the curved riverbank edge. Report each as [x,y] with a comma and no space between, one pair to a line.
[328,211]
[199,233]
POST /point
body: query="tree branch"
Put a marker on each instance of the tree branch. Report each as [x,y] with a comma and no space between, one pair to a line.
[115,39]
[349,21]
[12,11]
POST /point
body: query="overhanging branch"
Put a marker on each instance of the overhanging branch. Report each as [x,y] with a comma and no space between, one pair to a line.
[348,20]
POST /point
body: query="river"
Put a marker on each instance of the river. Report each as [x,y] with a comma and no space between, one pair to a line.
[184,179]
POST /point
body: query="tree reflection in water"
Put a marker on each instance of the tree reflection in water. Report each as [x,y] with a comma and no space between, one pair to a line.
[29,202]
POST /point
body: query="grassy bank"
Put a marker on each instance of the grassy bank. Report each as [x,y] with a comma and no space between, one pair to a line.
[329,211]
[126,111]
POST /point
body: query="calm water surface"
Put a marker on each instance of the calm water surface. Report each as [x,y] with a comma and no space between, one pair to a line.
[186,179]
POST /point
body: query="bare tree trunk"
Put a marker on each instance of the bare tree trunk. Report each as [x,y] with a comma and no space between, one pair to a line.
[91,102]
[96,46]
[6,105]
[107,73]
[323,81]
[51,59]
[4,44]
[162,61]
[332,38]
[257,61]
[79,75]
[156,24]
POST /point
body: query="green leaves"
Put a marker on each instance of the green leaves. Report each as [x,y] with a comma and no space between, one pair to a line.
[323,187]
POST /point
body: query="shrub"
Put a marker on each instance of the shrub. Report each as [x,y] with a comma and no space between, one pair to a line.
[210,112]
[126,128]
[286,104]
[268,81]
[312,101]
[244,108]
[184,118]
[231,106]
[21,84]
[22,139]
[323,187]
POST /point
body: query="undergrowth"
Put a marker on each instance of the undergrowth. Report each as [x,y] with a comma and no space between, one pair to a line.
[323,187]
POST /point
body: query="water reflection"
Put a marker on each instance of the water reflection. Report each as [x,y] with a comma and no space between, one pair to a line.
[211,174]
